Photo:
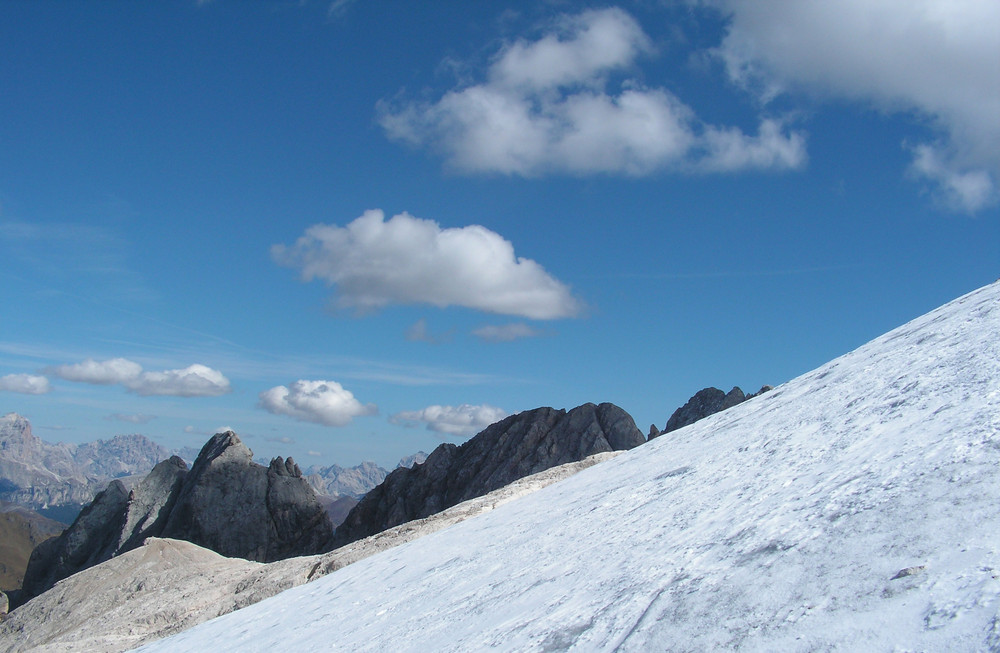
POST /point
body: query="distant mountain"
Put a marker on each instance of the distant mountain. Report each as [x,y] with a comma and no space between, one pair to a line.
[336,481]
[851,509]
[510,449]
[225,502]
[413,459]
[21,530]
[40,475]
[34,473]
[353,482]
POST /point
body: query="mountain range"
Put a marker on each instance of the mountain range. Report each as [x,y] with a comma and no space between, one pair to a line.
[40,475]
[852,508]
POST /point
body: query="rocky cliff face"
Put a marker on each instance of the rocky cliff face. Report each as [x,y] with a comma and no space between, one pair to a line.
[512,448]
[225,502]
[704,403]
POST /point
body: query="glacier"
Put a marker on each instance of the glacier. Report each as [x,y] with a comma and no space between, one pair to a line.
[856,507]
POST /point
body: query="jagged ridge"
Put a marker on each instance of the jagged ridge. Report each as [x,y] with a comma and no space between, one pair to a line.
[510,449]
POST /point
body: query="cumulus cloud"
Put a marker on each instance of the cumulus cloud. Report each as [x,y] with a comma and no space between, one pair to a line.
[506,332]
[936,59]
[464,420]
[323,402]
[28,384]
[548,106]
[407,260]
[192,381]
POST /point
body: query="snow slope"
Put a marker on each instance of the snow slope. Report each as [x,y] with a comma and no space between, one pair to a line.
[854,508]
[166,586]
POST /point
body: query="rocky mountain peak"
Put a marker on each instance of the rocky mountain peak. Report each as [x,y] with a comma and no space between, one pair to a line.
[225,502]
[284,467]
[225,445]
[16,438]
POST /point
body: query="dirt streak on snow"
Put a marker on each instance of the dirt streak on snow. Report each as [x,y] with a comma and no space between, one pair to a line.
[781,524]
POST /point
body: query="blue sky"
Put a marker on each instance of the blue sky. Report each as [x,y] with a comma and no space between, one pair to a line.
[354,230]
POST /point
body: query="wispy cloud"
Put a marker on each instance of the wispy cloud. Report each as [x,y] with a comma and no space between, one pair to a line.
[323,402]
[210,432]
[56,255]
[138,418]
[548,106]
[338,8]
[406,260]
[463,420]
[506,332]
[420,332]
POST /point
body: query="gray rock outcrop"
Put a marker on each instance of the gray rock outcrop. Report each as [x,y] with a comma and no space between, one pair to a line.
[705,402]
[225,502]
[510,449]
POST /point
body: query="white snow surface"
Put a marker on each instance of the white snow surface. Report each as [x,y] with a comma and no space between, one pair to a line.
[854,508]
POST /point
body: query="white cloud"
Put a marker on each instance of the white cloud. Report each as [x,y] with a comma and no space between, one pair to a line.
[546,107]
[581,48]
[109,372]
[936,59]
[959,190]
[28,384]
[406,260]
[464,420]
[192,381]
[506,332]
[730,149]
[323,402]
[130,418]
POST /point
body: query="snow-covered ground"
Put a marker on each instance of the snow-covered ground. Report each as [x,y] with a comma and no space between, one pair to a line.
[854,508]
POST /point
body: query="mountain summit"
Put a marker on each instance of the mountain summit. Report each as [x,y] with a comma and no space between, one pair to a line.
[852,508]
